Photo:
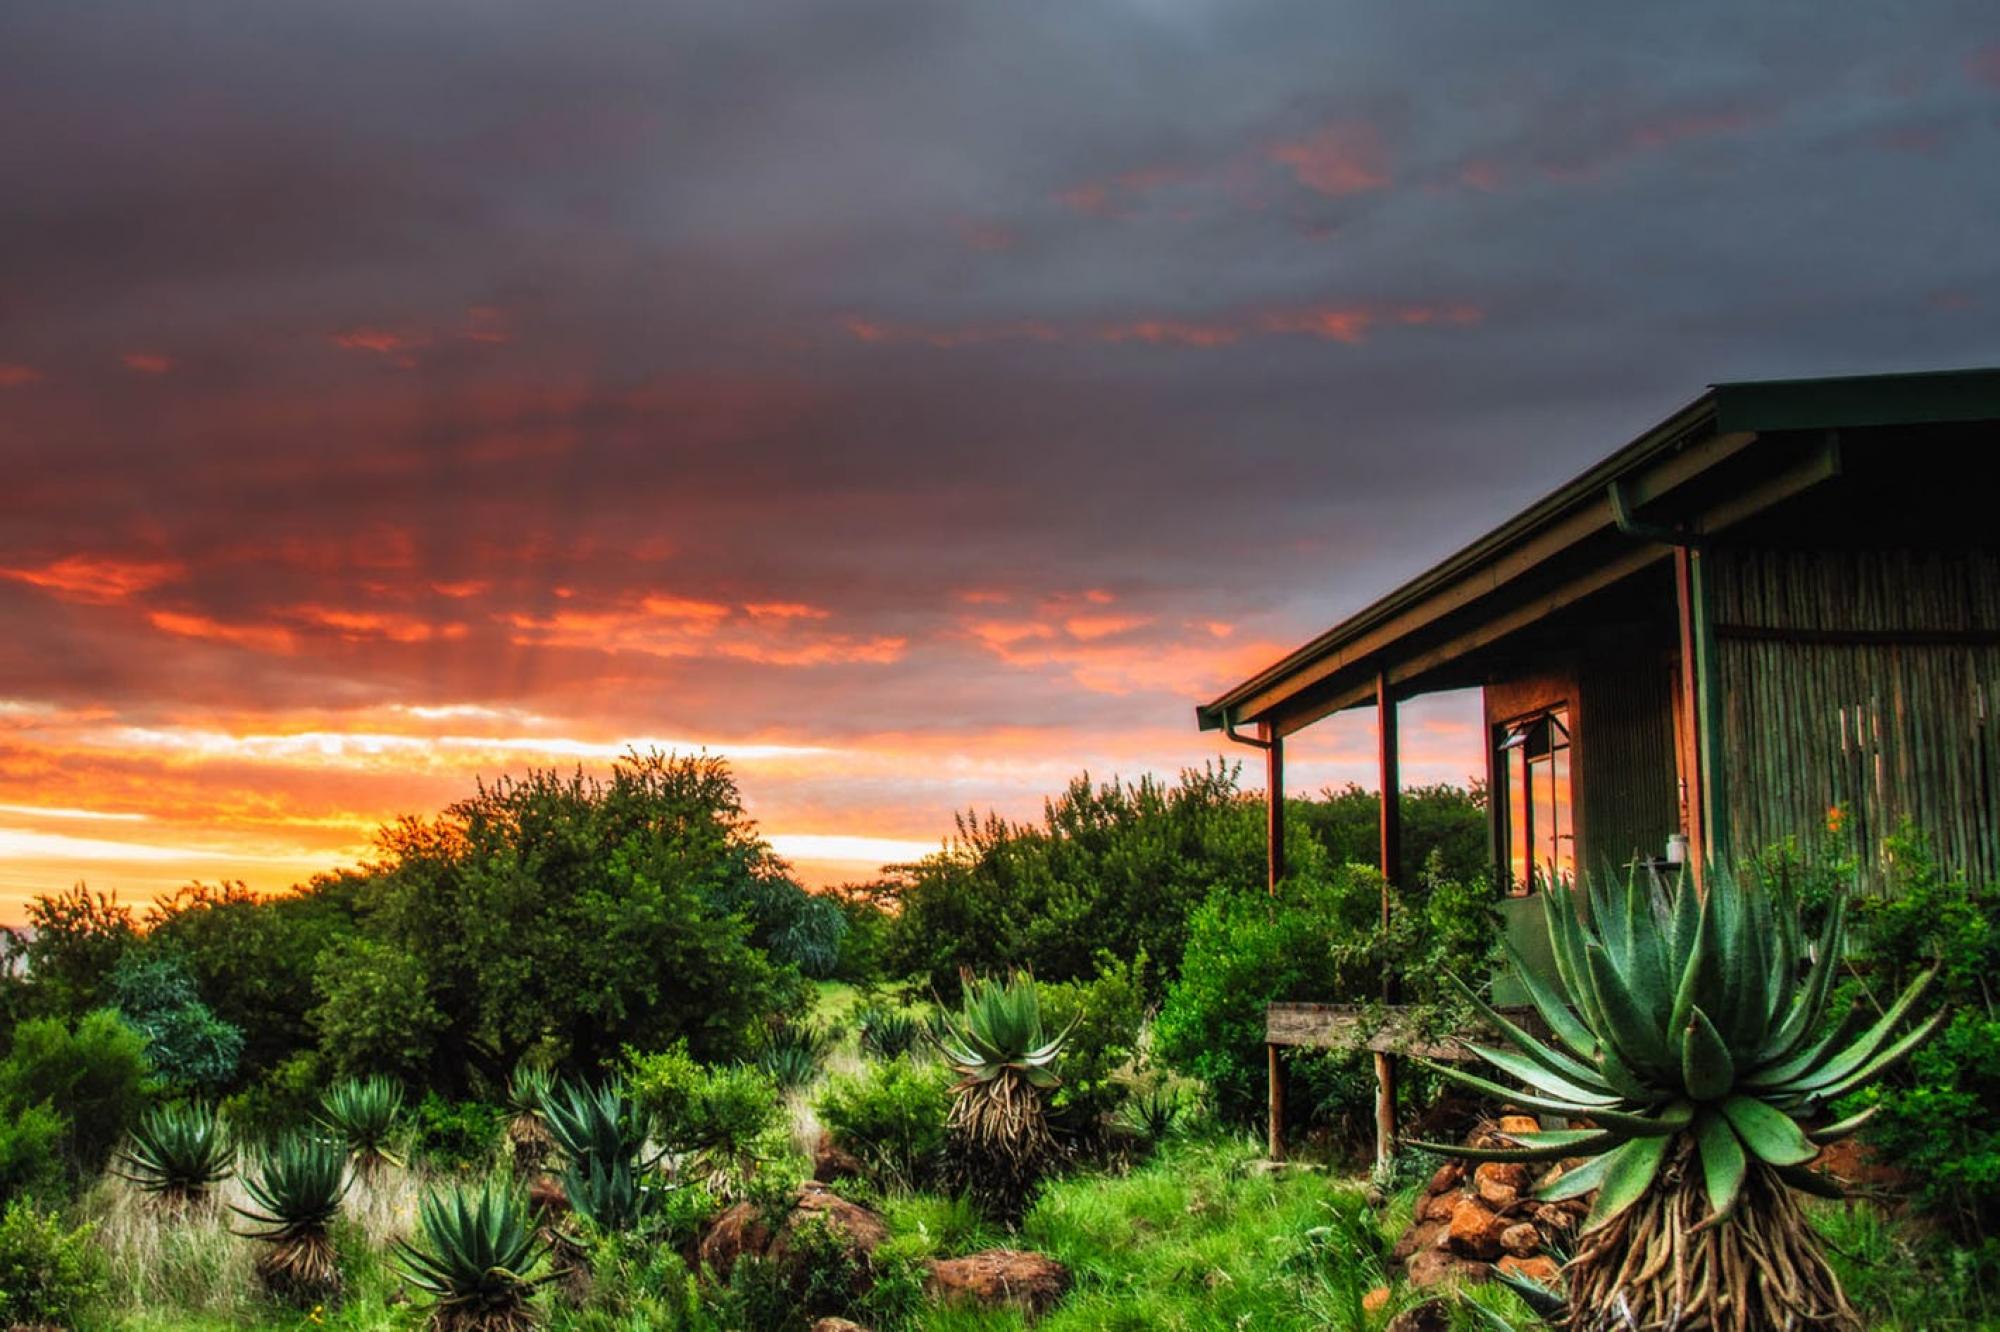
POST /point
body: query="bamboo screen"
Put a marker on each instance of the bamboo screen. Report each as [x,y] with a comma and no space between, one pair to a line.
[1867,680]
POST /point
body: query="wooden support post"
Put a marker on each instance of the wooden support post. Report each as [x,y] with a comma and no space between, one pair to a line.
[1277,1143]
[1274,841]
[1392,868]
[1693,758]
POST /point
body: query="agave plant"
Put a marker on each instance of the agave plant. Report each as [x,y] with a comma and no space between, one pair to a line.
[177,1153]
[527,1118]
[998,1126]
[297,1192]
[888,1032]
[477,1256]
[1155,1112]
[603,1133]
[1690,1035]
[361,1113]
[792,1053]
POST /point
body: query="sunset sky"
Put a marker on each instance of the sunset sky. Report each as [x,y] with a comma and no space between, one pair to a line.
[916,402]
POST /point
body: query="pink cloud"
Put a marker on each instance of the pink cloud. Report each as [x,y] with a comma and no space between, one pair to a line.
[488,323]
[147,363]
[1337,160]
[785,610]
[256,637]
[17,376]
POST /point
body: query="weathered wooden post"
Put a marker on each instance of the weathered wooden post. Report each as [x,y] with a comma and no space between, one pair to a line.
[1392,860]
[1274,841]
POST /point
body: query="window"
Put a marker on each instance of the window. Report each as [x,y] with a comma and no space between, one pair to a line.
[1534,765]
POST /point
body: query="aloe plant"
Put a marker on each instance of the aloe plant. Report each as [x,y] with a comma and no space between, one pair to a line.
[888,1032]
[361,1113]
[477,1256]
[296,1193]
[527,1116]
[178,1153]
[1690,1038]
[603,1133]
[998,1126]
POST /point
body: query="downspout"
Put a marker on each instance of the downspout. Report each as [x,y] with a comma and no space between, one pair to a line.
[1707,811]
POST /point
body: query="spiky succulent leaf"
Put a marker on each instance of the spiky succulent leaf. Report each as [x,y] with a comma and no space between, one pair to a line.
[1628,1173]
[1723,1165]
[178,1152]
[1707,1071]
[296,1188]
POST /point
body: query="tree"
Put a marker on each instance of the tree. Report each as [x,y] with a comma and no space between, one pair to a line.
[76,939]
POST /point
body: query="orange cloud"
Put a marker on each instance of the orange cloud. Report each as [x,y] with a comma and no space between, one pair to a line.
[1337,160]
[147,363]
[1174,332]
[381,341]
[98,580]
[785,610]
[1104,626]
[358,625]
[255,637]
[17,376]
[488,323]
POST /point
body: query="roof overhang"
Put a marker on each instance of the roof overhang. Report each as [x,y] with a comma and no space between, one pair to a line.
[1736,450]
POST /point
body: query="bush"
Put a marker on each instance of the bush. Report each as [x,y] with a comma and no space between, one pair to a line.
[191,1049]
[30,1138]
[719,1115]
[1110,1013]
[1317,941]
[93,1075]
[456,1135]
[47,1272]
[278,1102]
[891,1115]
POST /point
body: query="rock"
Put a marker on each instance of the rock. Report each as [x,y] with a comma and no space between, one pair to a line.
[1439,1208]
[740,1231]
[1500,1183]
[1000,1278]
[837,1325]
[1475,1231]
[1540,1268]
[831,1161]
[1420,1236]
[1447,1177]
[1521,1239]
[1375,1299]
[1431,1267]
[1430,1316]
[1554,1216]
[1520,1124]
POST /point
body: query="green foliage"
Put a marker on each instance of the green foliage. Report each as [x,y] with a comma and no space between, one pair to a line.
[579,915]
[295,1194]
[998,1031]
[48,1272]
[178,1153]
[75,940]
[362,1114]
[602,1131]
[1935,1118]
[376,1015]
[189,1046]
[891,1115]
[92,1074]
[455,1135]
[476,1255]
[790,1053]
[1123,867]
[889,1032]
[285,1096]
[253,955]
[1156,1113]
[718,1115]
[1104,1016]
[30,1142]
[1684,1015]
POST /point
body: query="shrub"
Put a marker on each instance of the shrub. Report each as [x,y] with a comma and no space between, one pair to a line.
[455,1135]
[93,1075]
[718,1116]
[283,1098]
[30,1138]
[888,1032]
[189,1046]
[48,1272]
[376,1015]
[891,1115]
[1109,1012]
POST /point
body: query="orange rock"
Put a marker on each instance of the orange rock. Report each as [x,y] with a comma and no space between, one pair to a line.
[998,1279]
[1500,1183]
[1522,1240]
[1540,1268]
[1439,1208]
[1375,1299]
[1520,1124]
[1475,1231]
[1418,1236]
[1447,1177]
[1431,1267]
